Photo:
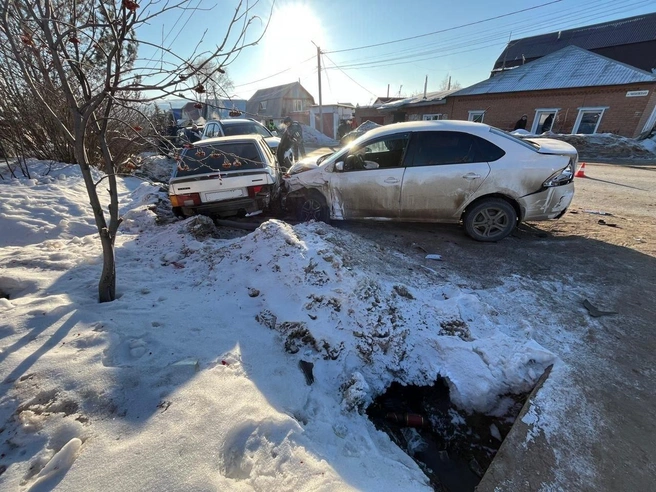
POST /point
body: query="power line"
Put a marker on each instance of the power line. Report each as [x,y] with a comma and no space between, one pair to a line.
[384,60]
[273,75]
[356,83]
[447,29]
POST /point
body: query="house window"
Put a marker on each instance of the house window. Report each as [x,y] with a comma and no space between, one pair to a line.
[544,120]
[263,105]
[434,116]
[298,105]
[588,119]
[476,116]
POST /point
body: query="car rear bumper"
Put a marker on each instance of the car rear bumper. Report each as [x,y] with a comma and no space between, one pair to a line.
[550,203]
[227,208]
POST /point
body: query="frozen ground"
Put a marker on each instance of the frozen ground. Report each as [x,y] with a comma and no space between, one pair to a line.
[191,378]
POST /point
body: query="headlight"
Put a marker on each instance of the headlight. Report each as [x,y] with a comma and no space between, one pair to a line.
[562,177]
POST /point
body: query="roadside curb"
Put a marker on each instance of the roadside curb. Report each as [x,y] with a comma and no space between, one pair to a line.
[503,463]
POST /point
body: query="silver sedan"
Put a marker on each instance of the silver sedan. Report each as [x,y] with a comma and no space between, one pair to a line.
[438,171]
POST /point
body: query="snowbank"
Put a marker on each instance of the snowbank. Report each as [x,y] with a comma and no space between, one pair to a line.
[314,138]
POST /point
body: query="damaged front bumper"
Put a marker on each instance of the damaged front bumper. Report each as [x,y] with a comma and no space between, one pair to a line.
[549,203]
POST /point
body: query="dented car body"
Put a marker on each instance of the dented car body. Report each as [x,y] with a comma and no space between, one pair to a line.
[438,171]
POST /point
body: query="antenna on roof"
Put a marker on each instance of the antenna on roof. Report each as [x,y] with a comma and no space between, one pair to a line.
[559,33]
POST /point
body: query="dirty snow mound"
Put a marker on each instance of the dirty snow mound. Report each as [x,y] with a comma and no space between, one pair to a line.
[402,324]
[314,138]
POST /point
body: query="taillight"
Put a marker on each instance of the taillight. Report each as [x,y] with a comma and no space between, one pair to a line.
[254,190]
[188,200]
[562,177]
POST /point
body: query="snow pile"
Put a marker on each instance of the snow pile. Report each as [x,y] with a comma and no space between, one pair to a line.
[314,138]
[650,144]
[359,131]
[190,379]
[156,167]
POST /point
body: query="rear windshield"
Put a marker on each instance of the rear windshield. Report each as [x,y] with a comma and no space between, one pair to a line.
[220,157]
[525,143]
[231,129]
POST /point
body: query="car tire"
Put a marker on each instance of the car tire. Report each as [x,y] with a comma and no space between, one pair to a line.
[490,220]
[177,212]
[312,207]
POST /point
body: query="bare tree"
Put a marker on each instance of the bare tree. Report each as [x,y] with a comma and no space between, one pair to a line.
[84,52]
[448,84]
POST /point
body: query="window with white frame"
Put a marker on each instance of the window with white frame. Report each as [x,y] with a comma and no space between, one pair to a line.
[263,105]
[434,116]
[476,116]
[588,119]
[298,105]
[544,120]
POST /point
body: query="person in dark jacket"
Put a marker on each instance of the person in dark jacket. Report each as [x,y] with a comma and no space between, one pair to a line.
[292,140]
[521,123]
[546,126]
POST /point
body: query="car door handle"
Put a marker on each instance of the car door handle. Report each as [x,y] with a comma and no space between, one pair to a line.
[471,176]
[391,180]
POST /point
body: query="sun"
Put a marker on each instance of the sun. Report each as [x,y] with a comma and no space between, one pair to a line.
[292,36]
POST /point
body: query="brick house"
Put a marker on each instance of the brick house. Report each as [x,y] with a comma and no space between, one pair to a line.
[569,91]
[371,113]
[275,103]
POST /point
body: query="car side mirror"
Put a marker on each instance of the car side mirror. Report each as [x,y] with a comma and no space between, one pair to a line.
[339,166]
[274,133]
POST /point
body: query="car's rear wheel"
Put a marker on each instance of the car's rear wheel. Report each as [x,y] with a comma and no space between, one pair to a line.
[490,220]
[312,207]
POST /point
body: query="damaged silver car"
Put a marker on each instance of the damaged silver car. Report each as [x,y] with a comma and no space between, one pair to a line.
[438,171]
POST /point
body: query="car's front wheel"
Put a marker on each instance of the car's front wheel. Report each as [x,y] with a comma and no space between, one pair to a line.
[490,220]
[312,207]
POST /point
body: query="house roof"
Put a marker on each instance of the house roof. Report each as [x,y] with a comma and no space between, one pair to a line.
[630,30]
[430,98]
[274,97]
[567,68]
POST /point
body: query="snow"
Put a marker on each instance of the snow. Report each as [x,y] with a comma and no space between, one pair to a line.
[190,379]
[314,138]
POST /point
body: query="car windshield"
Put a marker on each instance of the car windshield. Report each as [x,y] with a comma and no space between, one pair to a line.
[225,157]
[525,143]
[245,129]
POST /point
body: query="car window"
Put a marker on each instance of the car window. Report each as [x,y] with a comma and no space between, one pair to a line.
[219,157]
[383,153]
[211,130]
[444,147]
[245,129]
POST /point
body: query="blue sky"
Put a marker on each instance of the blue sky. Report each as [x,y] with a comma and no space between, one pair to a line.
[467,54]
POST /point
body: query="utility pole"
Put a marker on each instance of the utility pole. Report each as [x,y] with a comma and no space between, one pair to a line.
[320,102]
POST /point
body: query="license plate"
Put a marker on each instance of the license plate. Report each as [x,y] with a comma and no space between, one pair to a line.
[225,195]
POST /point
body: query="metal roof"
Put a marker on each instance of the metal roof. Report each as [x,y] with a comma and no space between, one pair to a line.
[564,69]
[619,32]
[430,98]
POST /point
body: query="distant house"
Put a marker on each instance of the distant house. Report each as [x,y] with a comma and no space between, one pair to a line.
[630,40]
[569,91]
[333,116]
[371,113]
[428,106]
[278,102]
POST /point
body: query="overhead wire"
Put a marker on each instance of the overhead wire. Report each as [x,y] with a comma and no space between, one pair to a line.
[426,55]
[447,29]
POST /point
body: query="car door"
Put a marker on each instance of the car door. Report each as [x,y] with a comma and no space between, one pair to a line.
[444,169]
[369,182]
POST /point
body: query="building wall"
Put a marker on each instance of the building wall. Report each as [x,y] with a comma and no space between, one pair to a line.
[625,116]
[365,113]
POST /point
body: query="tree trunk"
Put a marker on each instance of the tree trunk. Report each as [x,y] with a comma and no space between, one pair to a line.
[107,284]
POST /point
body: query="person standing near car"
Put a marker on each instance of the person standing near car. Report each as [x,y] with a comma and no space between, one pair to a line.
[521,123]
[292,140]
